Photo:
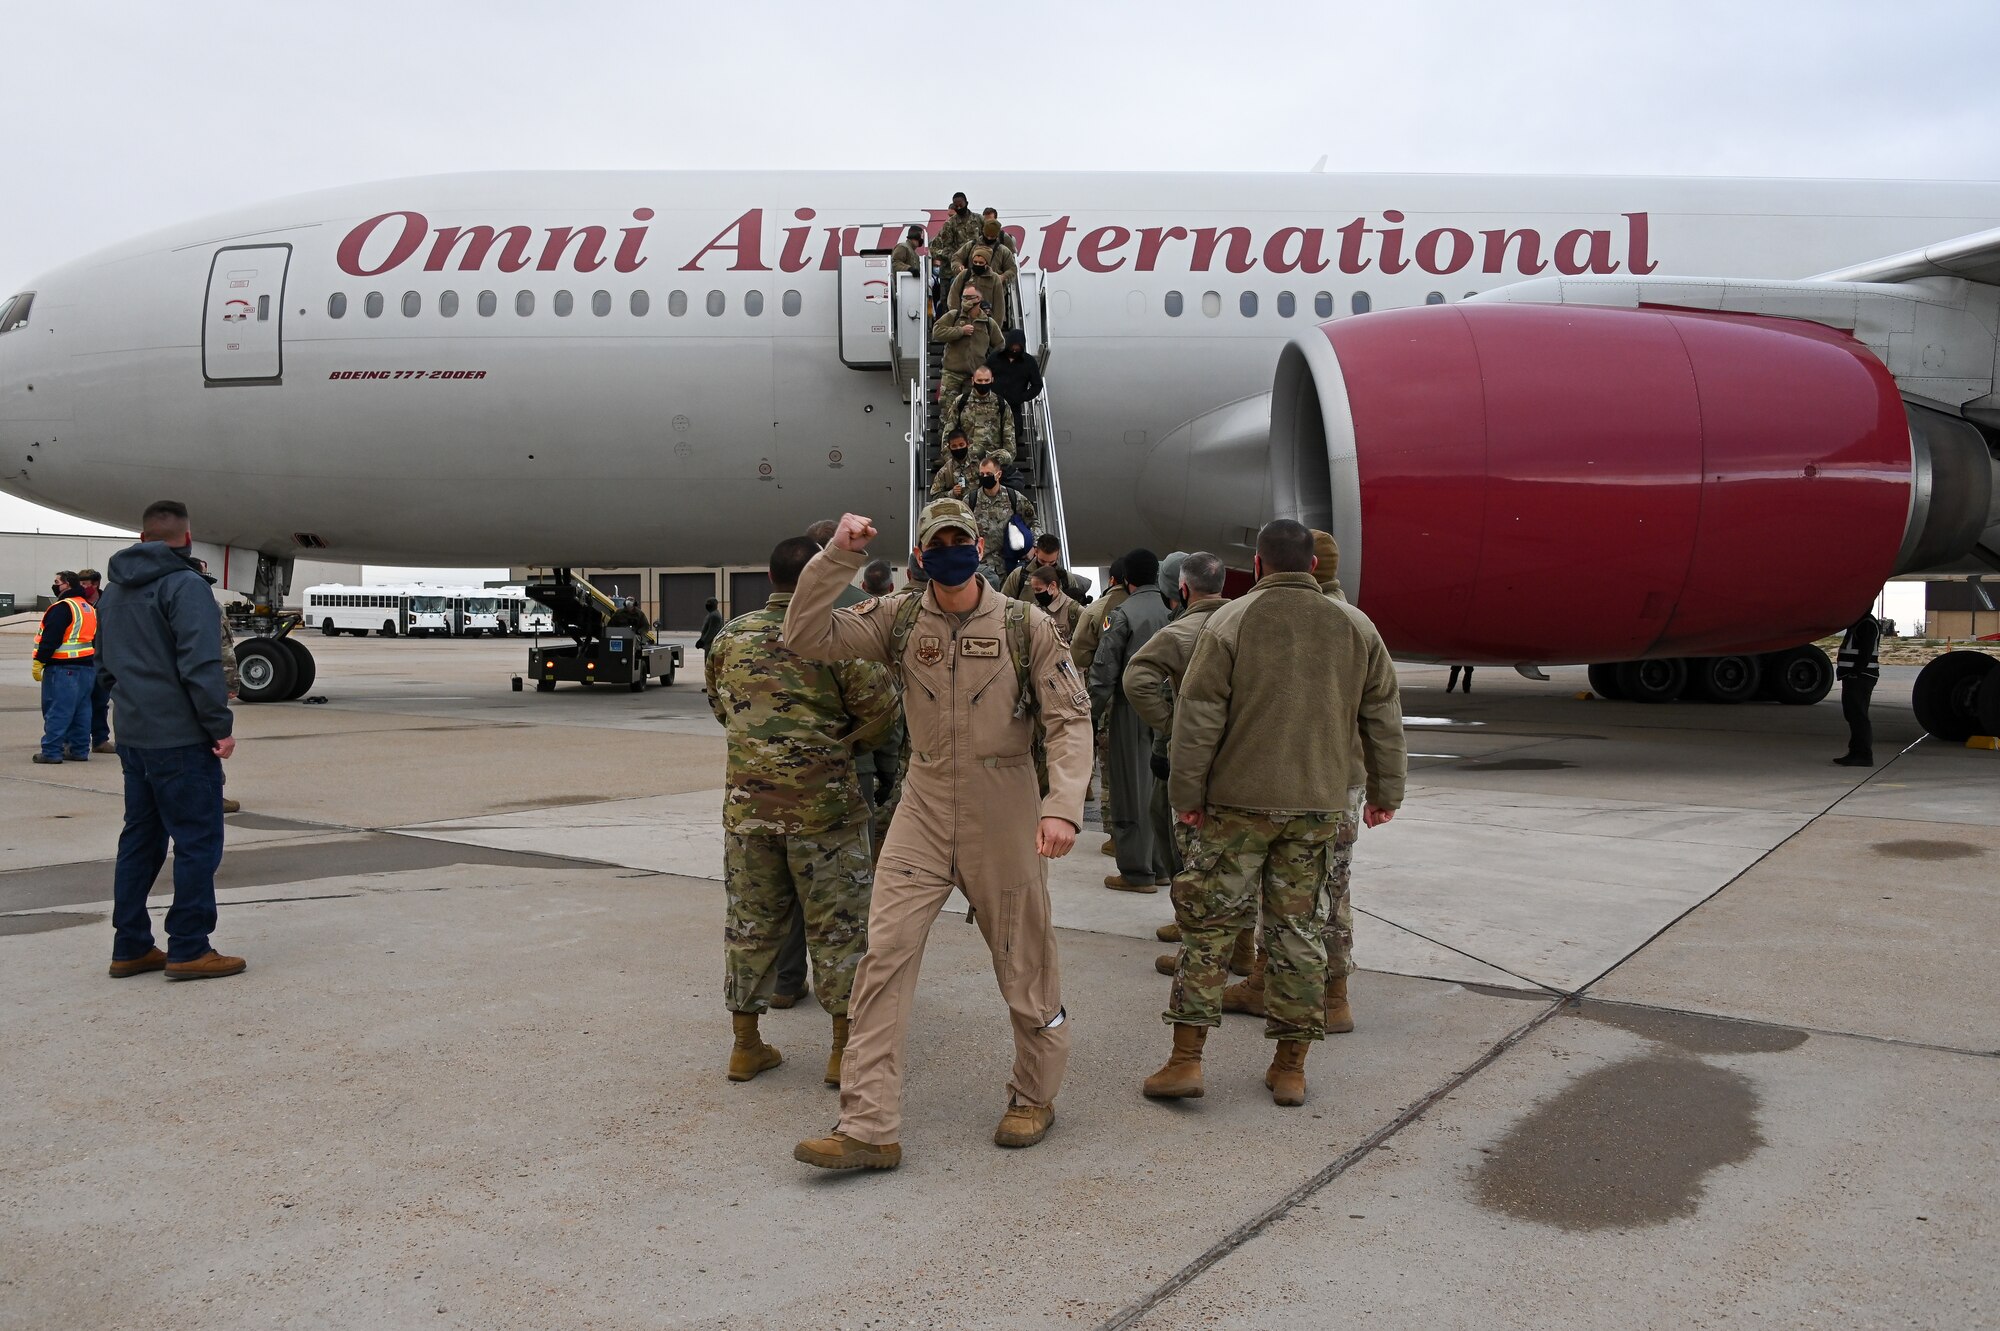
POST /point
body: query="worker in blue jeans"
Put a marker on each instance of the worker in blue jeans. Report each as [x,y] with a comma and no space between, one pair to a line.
[66,667]
[163,647]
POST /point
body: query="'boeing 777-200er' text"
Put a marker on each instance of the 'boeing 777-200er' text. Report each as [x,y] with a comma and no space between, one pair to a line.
[1681,421]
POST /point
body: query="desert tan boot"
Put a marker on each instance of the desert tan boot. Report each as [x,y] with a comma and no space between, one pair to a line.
[1287,1074]
[1024,1125]
[840,1151]
[1118,882]
[1180,1077]
[839,1048]
[1247,994]
[750,1055]
[1168,964]
[1168,933]
[1339,1016]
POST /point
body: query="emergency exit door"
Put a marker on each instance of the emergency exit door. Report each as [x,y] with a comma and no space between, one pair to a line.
[242,320]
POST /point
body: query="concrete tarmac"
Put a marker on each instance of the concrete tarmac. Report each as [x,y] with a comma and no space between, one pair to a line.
[1663,1021]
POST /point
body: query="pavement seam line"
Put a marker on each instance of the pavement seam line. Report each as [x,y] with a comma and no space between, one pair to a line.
[1736,878]
[1699,1015]
[1131,1314]
[1549,989]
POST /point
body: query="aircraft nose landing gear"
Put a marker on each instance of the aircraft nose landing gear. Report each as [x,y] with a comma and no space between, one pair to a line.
[271,665]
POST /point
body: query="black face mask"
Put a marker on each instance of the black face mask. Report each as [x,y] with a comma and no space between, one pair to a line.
[979,268]
[55,590]
[982,388]
[1044,599]
[958,455]
[988,479]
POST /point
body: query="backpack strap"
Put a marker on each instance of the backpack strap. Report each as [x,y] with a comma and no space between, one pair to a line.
[907,611]
[1017,647]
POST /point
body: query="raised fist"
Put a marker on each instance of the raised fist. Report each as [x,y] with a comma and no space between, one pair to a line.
[854,533]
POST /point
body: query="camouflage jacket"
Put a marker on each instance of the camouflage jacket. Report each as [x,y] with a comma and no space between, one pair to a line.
[229,675]
[987,421]
[903,259]
[991,509]
[793,726]
[956,231]
[962,476]
[1002,262]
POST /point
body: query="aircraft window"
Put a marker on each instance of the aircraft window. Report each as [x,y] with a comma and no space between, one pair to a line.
[1323,305]
[1172,304]
[641,302]
[677,303]
[1435,298]
[1211,303]
[1470,294]
[488,303]
[1288,305]
[1247,303]
[336,305]
[1361,304]
[791,304]
[524,303]
[600,303]
[413,304]
[372,305]
[717,302]
[564,304]
[753,303]
[448,304]
[14,314]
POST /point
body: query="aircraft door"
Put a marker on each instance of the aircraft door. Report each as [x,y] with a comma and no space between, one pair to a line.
[864,311]
[243,318]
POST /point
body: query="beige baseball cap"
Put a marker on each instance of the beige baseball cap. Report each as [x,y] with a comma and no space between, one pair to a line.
[942,513]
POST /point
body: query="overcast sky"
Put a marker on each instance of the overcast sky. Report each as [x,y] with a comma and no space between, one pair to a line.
[122,117]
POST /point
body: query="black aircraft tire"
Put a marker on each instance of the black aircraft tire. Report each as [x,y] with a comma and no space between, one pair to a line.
[1799,677]
[1951,694]
[1661,680]
[1604,681]
[1727,679]
[304,669]
[265,671]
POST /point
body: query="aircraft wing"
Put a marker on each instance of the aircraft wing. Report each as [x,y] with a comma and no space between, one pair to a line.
[1975,257]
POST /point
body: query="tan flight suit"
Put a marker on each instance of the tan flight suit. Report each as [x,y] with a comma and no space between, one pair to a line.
[968,819]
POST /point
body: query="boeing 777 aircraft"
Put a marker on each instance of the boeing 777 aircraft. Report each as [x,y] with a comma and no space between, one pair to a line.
[1679,425]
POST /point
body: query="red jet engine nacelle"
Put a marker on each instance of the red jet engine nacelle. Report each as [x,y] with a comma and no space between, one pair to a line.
[1563,483]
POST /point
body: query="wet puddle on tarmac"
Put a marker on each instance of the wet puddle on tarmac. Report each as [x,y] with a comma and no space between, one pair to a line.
[1928,850]
[1632,1143]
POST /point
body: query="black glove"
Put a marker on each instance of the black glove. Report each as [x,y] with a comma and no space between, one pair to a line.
[1161,767]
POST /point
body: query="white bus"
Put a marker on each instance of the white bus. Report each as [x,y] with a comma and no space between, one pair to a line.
[528,615]
[392,611]
[480,611]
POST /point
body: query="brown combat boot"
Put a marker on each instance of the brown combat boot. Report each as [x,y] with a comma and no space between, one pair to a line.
[1118,882]
[839,1048]
[1243,957]
[1024,1125]
[1180,1077]
[751,1055]
[154,960]
[1287,1074]
[1339,1016]
[1109,847]
[1168,965]
[210,965]
[1247,994]
[1168,933]
[840,1151]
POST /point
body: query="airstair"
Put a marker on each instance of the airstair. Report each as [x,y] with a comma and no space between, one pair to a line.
[917,364]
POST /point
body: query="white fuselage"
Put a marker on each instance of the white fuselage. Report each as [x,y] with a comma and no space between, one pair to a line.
[412,436]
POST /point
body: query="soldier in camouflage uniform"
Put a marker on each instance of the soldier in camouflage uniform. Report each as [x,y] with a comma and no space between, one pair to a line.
[969,335]
[961,227]
[983,415]
[992,508]
[796,833]
[1284,686]
[980,274]
[959,476]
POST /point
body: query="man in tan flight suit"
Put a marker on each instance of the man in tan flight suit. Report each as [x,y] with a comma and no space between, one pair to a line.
[972,814]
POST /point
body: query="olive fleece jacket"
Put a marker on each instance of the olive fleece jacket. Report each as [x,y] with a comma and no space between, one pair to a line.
[1283,684]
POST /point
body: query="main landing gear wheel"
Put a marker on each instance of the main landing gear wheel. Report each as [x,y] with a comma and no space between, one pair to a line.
[1662,680]
[304,669]
[1725,678]
[265,670]
[1957,696]
[1604,681]
[1797,678]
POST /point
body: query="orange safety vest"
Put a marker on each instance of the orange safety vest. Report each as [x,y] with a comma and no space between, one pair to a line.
[80,642]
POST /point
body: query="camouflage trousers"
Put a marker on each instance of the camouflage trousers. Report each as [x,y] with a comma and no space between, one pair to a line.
[1245,864]
[766,877]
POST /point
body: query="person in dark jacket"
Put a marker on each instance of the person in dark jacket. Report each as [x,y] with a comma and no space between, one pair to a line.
[163,646]
[90,586]
[710,625]
[1857,669]
[1017,377]
[66,668]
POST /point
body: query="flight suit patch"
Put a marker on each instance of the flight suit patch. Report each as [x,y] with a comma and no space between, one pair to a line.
[930,651]
[986,647]
[867,607]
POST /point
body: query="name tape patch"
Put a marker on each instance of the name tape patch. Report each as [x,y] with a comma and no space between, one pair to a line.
[988,647]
